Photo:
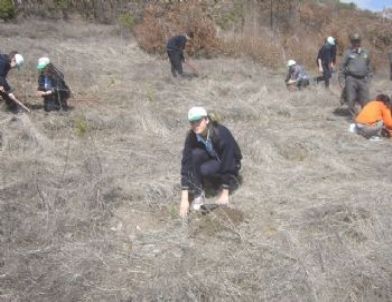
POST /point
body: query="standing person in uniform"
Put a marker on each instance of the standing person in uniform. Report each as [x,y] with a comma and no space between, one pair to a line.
[8,62]
[210,150]
[355,74]
[51,86]
[175,50]
[326,59]
[297,77]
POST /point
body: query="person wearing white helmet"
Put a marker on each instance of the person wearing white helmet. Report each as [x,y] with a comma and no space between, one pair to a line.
[326,59]
[297,77]
[51,86]
[210,153]
[8,62]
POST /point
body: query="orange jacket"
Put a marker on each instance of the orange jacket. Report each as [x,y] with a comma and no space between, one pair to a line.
[374,112]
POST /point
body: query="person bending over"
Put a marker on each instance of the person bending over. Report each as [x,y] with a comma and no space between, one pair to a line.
[175,48]
[326,59]
[8,62]
[375,118]
[210,151]
[297,78]
[51,86]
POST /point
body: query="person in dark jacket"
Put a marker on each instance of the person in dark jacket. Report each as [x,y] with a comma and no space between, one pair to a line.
[7,62]
[51,86]
[355,74]
[175,50]
[210,150]
[326,59]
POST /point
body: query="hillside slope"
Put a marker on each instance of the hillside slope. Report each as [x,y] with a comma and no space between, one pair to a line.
[89,198]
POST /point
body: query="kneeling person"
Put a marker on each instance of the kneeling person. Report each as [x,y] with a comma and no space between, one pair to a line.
[297,77]
[51,86]
[375,117]
[210,151]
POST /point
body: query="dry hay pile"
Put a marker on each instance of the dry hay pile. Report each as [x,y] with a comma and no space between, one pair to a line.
[88,199]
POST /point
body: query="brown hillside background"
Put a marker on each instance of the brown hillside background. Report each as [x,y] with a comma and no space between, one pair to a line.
[89,198]
[270,32]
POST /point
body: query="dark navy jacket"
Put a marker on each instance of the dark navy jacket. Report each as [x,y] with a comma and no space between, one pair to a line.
[327,54]
[5,67]
[56,84]
[176,43]
[227,149]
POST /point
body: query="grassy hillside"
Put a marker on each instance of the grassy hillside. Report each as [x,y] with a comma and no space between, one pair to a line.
[89,198]
[268,32]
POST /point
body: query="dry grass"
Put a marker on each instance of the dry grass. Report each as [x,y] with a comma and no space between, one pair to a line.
[92,215]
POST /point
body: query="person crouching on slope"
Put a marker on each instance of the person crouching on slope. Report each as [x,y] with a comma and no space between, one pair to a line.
[51,86]
[375,118]
[297,77]
[210,150]
[7,62]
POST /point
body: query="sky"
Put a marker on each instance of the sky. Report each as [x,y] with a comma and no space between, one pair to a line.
[374,5]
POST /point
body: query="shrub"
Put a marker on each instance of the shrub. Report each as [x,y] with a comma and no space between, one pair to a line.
[127,20]
[81,126]
[7,10]
[161,22]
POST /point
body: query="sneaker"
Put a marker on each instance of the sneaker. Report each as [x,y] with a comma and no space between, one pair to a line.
[352,128]
[198,202]
[375,139]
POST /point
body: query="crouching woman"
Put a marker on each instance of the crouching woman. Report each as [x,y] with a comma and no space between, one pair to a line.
[375,118]
[210,151]
[51,86]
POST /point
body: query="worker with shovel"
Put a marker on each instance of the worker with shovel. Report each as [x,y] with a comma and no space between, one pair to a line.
[175,50]
[8,62]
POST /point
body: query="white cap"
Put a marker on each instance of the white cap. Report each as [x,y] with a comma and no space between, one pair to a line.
[18,60]
[331,40]
[291,63]
[43,62]
[196,113]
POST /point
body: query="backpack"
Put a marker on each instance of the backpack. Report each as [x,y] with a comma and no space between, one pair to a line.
[62,87]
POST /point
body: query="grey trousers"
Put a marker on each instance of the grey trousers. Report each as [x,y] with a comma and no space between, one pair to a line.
[357,91]
[370,130]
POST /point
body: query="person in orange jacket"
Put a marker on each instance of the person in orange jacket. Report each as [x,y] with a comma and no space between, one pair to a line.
[375,118]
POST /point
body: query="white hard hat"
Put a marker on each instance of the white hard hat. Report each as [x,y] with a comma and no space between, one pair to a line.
[18,60]
[331,40]
[196,113]
[43,62]
[291,63]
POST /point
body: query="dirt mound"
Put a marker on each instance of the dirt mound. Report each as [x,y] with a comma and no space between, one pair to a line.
[89,198]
